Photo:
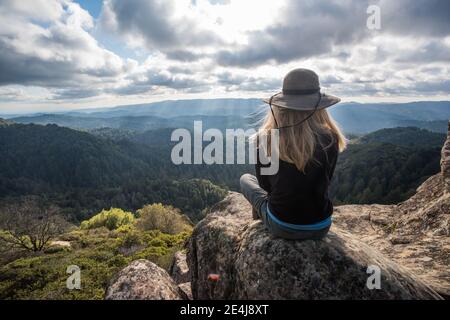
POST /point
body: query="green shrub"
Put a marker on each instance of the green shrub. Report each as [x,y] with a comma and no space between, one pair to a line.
[111,219]
[167,219]
[71,236]
[99,252]
[130,239]
[124,229]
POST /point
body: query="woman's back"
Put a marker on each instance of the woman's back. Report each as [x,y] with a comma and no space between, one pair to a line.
[302,197]
[294,202]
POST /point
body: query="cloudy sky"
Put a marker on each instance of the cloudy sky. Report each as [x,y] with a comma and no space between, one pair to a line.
[64,54]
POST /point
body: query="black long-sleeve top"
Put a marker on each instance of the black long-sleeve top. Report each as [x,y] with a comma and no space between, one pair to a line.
[302,198]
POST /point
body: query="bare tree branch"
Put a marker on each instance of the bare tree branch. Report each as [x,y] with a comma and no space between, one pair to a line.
[29,225]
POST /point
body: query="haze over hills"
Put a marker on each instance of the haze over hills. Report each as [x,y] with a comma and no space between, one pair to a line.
[365,118]
[235,113]
[174,108]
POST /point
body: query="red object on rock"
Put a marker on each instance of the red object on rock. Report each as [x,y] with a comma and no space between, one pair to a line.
[213,277]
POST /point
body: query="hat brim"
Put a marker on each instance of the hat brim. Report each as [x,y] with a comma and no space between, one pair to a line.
[303,102]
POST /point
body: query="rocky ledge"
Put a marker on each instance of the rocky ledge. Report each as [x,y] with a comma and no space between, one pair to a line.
[231,256]
[414,234]
[248,263]
[445,159]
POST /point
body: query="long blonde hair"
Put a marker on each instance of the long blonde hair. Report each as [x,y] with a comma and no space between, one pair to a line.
[298,143]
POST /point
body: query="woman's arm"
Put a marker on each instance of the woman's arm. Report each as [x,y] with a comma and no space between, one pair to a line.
[263,180]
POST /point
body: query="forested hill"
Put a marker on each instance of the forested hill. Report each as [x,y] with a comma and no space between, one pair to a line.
[83,174]
[407,136]
[382,172]
[61,157]
[386,166]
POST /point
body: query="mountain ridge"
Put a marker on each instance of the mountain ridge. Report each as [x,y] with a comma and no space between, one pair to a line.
[353,117]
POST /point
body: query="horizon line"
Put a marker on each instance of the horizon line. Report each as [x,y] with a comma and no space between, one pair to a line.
[4,114]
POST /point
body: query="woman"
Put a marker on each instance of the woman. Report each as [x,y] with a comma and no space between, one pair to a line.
[294,203]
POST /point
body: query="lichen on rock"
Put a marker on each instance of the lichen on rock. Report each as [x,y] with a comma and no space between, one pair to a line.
[143,280]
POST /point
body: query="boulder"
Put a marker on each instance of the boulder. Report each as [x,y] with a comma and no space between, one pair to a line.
[445,160]
[179,269]
[185,290]
[231,256]
[143,280]
[58,246]
[415,233]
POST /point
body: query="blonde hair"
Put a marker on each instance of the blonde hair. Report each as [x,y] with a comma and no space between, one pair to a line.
[298,143]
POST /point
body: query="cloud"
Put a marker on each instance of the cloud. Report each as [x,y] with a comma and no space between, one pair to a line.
[184,55]
[149,78]
[11,94]
[303,29]
[39,10]
[416,18]
[427,87]
[75,93]
[241,82]
[155,25]
[137,49]
[59,52]
[307,29]
[430,52]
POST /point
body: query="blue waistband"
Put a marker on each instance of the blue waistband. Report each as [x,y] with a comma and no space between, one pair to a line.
[305,227]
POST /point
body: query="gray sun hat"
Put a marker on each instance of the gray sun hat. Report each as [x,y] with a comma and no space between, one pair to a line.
[301,91]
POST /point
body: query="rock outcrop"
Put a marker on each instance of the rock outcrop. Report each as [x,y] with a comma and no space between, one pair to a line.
[186,291]
[143,280]
[445,159]
[414,233]
[179,270]
[250,264]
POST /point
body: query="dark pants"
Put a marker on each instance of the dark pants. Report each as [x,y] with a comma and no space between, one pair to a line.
[258,198]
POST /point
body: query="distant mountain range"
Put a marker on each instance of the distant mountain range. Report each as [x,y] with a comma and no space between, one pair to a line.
[177,108]
[364,118]
[236,113]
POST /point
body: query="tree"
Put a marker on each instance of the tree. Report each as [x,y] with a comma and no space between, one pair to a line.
[111,219]
[167,219]
[29,225]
